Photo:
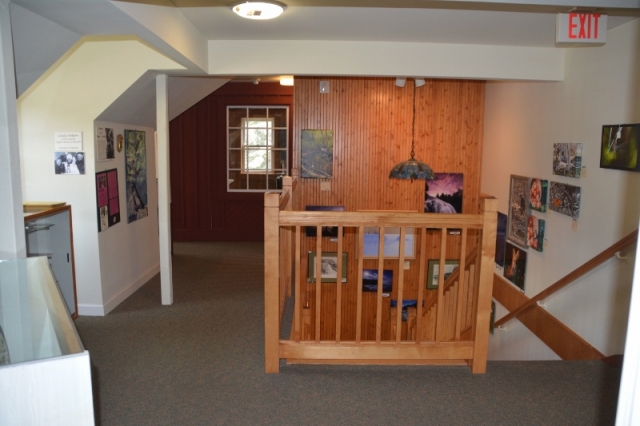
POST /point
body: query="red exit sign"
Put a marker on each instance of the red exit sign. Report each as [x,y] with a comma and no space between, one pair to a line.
[584,28]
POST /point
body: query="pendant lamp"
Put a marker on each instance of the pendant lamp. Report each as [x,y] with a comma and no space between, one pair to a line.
[412,168]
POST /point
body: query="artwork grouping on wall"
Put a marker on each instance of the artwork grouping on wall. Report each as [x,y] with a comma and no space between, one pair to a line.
[518,210]
[515,265]
[443,194]
[565,199]
[370,280]
[567,159]
[136,174]
[501,238]
[536,233]
[538,194]
[619,149]
[327,231]
[316,153]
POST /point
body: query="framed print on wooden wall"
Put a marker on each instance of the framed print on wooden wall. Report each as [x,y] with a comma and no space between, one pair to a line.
[619,147]
[391,243]
[328,267]
[518,210]
[434,268]
[316,154]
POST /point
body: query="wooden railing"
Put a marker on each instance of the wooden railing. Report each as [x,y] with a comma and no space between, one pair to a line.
[460,328]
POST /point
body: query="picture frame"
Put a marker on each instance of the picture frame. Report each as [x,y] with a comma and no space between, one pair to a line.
[327,231]
[370,280]
[564,199]
[538,189]
[501,239]
[391,243]
[434,268]
[519,210]
[515,268]
[567,159]
[619,147]
[536,233]
[329,266]
[444,193]
[316,154]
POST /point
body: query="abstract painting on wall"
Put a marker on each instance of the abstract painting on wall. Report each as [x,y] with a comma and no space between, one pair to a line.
[619,149]
[567,159]
[564,199]
[515,265]
[444,193]
[538,194]
[370,280]
[518,210]
[536,233]
[316,153]
[136,174]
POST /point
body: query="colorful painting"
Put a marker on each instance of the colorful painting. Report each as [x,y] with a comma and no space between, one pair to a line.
[107,198]
[619,149]
[564,199]
[443,194]
[370,280]
[136,174]
[518,210]
[538,194]
[536,233]
[316,152]
[567,159]
[515,265]
[327,231]
[501,238]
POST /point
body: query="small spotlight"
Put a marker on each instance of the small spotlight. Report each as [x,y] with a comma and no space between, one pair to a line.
[420,82]
[400,82]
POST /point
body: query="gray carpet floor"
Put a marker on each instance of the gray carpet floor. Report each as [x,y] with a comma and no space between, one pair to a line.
[200,361]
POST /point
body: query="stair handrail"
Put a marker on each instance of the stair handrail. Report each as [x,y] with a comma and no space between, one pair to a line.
[572,276]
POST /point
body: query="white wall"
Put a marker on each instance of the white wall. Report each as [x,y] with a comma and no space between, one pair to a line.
[69,97]
[522,122]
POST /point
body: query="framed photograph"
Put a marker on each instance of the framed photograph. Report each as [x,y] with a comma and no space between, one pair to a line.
[535,232]
[316,154]
[567,159]
[68,163]
[328,267]
[538,194]
[370,280]
[391,243]
[406,304]
[135,149]
[515,265]
[619,147]
[444,193]
[564,199]
[501,238]
[434,271]
[327,231]
[518,210]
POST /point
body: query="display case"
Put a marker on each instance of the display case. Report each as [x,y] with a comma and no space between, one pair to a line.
[48,232]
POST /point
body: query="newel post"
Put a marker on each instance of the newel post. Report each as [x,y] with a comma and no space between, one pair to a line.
[489,210]
[271,285]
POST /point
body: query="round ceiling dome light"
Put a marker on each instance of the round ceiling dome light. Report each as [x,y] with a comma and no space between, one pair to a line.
[259,10]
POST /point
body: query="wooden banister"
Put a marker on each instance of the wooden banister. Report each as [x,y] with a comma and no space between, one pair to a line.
[572,276]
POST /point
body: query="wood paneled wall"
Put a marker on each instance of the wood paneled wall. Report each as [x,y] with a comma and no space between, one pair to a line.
[371,119]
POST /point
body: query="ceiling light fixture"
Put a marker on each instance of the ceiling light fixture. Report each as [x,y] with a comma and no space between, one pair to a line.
[286,81]
[412,168]
[420,82]
[259,9]
[400,82]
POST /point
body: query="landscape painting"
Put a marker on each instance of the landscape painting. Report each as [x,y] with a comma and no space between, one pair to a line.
[391,242]
[444,193]
[564,199]
[518,210]
[619,149]
[370,280]
[567,159]
[515,265]
[328,267]
[316,152]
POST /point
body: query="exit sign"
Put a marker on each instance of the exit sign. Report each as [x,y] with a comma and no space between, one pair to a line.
[581,28]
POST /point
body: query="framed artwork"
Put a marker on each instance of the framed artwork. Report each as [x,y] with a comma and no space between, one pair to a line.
[538,194]
[328,267]
[391,243]
[136,174]
[68,163]
[108,201]
[444,193]
[370,280]
[316,154]
[564,199]
[535,232]
[327,231]
[406,304]
[518,210]
[619,147]
[501,238]
[567,159]
[434,270]
[515,265]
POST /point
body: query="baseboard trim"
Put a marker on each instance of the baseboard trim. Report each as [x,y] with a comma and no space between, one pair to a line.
[90,310]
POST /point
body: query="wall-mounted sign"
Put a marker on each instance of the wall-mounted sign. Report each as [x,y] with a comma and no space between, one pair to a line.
[581,28]
[68,141]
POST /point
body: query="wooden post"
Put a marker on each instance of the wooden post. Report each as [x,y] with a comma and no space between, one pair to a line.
[485,286]
[271,282]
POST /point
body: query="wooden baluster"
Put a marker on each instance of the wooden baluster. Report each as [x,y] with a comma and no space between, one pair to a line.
[461,269]
[339,286]
[440,308]
[359,284]
[421,283]
[318,307]
[379,298]
[298,293]
[400,285]
[271,284]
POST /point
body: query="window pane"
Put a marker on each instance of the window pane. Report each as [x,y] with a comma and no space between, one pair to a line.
[280,159]
[239,180]
[257,181]
[235,138]
[258,112]
[280,138]
[255,159]
[235,158]
[279,115]
[236,115]
[257,136]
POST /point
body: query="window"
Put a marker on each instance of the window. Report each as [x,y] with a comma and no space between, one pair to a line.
[257,146]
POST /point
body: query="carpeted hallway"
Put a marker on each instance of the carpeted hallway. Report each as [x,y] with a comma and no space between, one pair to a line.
[200,361]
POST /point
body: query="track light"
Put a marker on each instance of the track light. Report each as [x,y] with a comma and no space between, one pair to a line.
[419,82]
[400,82]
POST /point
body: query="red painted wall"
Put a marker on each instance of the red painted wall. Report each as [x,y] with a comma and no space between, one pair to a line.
[201,207]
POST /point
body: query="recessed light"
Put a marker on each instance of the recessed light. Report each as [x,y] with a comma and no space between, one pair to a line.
[286,81]
[259,9]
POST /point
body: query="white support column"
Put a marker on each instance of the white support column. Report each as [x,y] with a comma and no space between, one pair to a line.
[164,188]
[12,241]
